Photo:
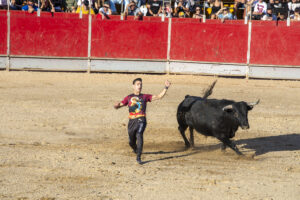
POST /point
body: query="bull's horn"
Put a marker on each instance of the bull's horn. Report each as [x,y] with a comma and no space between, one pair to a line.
[253,103]
[228,107]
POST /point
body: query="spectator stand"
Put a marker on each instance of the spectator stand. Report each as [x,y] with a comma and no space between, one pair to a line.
[64,41]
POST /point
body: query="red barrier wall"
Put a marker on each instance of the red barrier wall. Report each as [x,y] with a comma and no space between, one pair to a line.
[209,42]
[3,33]
[129,39]
[65,35]
[61,35]
[275,45]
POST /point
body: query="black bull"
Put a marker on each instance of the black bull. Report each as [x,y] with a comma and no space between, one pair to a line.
[213,117]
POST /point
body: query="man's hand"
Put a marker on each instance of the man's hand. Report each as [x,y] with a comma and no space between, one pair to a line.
[117,105]
[167,84]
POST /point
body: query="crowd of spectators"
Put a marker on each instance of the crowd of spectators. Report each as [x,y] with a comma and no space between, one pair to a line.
[212,9]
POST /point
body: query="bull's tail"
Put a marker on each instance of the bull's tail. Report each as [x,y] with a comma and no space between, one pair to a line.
[209,90]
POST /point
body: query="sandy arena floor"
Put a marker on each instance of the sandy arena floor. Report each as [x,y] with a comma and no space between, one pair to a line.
[60,138]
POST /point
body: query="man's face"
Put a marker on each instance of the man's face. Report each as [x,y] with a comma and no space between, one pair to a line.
[30,3]
[137,86]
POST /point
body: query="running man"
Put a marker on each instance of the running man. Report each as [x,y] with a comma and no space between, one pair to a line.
[137,103]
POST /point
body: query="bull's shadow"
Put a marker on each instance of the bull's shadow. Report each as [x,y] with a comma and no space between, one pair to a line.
[263,145]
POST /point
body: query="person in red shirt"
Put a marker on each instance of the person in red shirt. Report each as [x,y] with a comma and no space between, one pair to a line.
[137,103]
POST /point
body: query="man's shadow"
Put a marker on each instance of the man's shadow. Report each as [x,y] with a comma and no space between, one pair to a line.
[195,150]
[263,145]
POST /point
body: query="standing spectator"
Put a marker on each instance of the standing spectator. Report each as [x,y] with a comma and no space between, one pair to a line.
[46,5]
[216,5]
[30,7]
[105,11]
[269,15]
[260,9]
[16,4]
[154,8]
[197,14]
[181,8]
[71,6]
[224,14]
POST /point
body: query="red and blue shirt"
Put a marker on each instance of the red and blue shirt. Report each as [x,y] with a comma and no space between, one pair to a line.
[137,104]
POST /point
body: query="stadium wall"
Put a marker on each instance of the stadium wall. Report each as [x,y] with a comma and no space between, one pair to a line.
[63,42]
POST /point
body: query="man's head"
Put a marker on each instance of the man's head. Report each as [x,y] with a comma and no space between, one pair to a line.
[106,6]
[226,10]
[132,5]
[269,10]
[137,85]
[30,2]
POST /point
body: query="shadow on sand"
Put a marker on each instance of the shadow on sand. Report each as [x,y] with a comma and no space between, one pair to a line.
[195,150]
[262,145]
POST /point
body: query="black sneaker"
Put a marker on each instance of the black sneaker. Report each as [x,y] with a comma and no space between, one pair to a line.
[138,160]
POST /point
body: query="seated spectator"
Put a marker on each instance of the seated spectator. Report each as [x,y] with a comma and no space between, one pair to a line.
[133,10]
[215,5]
[197,14]
[292,6]
[296,16]
[16,4]
[260,9]
[181,15]
[3,4]
[105,11]
[281,9]
[46,5]
[271,4]
[168,11]
[239,7]
[58,4]
[269,15]
[181,6]
[224,14]
[144,9]
[71,6]
[30,7]
[84,7]
[154,8]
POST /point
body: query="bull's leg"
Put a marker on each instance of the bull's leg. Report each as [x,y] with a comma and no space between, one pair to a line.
[192,136]
[233,146]
[182,130]
[223,146]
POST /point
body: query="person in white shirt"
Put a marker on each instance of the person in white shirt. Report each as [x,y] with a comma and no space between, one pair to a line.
[260,9]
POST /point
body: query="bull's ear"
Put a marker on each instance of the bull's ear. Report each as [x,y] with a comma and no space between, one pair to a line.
[228,108]
[251,105]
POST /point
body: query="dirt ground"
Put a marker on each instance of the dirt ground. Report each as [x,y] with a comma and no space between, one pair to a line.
[60,138]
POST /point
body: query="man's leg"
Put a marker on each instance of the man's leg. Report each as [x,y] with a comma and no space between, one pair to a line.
[140,140]
[132,127]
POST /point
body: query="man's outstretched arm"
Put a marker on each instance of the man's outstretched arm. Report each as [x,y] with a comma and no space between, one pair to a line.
[162,94]
[118,105]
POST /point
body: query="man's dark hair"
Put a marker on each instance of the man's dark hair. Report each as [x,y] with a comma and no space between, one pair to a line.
[135,80]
